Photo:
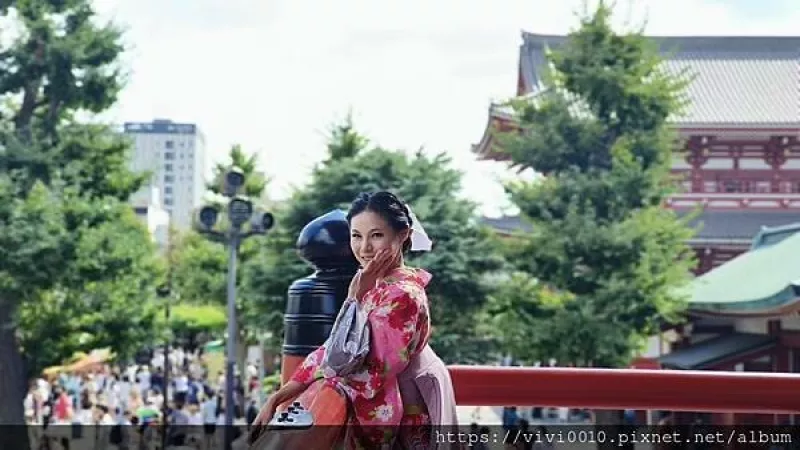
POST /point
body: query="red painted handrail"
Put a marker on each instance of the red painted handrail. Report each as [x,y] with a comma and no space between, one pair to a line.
[669,390]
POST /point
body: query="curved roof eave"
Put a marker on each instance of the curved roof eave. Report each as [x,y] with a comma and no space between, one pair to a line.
[485,147]
[775,304]
[788,307]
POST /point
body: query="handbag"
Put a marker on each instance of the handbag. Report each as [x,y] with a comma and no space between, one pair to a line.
[348,344]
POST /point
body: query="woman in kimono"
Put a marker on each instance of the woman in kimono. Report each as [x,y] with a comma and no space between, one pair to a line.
[384,413]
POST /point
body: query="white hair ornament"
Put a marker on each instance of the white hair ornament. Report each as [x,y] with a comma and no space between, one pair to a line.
[420,242]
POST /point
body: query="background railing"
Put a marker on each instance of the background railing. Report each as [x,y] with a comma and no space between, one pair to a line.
[699,391]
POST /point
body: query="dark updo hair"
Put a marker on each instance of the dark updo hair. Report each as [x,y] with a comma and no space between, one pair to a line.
[387,205]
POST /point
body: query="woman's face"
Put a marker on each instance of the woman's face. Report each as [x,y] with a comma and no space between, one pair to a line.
[370,233]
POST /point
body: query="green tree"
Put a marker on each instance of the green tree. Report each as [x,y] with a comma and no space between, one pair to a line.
[66,235]
[463,252]
[598,273]
[79,315]
[192,324]
[199,270]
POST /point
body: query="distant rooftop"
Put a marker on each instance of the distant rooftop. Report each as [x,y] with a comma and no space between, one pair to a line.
[507,224]
[739,226]
[160,126]
[762,281]
[737,80]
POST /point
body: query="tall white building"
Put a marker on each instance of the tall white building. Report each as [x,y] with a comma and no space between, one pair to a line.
[175,155]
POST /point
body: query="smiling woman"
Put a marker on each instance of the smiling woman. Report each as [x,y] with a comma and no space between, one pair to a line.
[378,222]
[401,390]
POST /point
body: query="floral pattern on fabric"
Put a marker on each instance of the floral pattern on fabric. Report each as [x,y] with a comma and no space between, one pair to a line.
[399,322]
[415,432]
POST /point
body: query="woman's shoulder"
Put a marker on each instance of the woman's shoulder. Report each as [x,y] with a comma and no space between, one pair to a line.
[404,276]
[403,282]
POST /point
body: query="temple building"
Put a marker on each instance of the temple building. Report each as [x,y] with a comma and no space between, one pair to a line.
[744,316]
[739,159]
[740,152]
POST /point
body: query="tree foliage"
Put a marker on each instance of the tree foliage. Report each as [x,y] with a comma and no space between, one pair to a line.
[90,309]
[198,318]
[73,254]
[598,272]
[192,325]
[462,254]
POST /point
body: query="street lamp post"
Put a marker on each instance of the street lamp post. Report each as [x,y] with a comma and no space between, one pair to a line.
[239,211]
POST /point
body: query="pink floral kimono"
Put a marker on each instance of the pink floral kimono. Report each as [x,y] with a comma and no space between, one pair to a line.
[400,328]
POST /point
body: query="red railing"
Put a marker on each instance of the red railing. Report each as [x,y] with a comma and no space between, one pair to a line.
[668,390]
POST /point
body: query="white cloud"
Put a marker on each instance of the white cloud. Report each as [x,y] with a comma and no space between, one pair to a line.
[273,75]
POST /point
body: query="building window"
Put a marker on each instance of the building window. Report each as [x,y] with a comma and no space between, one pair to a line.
[169,178]
[168,201]
[169,156]
[740,186]
[168,189]
[167,167]
[731,186]
[169,144]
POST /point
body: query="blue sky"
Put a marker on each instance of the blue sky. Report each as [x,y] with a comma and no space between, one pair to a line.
[274,74]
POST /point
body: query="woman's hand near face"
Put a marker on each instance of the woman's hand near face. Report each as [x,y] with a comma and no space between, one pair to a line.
[378,267]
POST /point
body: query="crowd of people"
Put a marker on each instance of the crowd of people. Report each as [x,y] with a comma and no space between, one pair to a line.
[126,406]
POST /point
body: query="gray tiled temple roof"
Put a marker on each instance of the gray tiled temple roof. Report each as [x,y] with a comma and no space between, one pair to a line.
[736,81]
[740,225]
[506,224]
[706,354]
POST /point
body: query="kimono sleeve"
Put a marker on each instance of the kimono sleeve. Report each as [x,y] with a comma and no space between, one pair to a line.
[310,369]
[395,326]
